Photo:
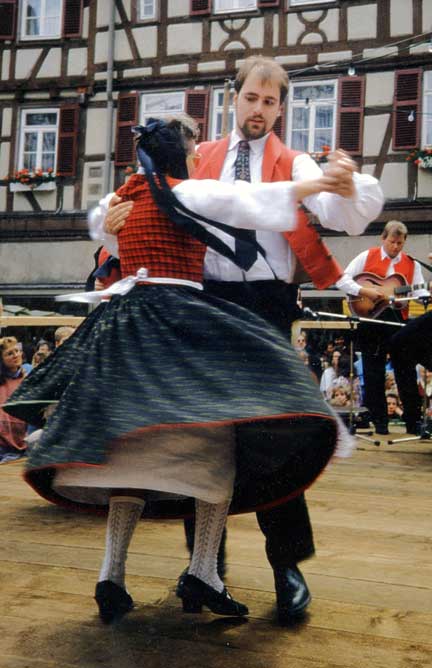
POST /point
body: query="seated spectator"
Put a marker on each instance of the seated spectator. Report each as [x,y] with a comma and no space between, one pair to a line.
[328,351]
[37,358]
[339,344]
[61,334]
[43,346]
[394,408]
[301,342]
[390,383]
[336,374]
[340,396]
[12,430]
[424,383]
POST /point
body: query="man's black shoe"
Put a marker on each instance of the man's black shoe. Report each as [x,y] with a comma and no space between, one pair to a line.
[180,583]
[414,428]
[381,429]
[292,593]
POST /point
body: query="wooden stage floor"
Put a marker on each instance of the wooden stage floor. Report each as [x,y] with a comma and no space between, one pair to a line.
[371,580]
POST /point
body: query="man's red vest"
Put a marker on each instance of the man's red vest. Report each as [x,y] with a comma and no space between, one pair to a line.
[376,265]
[310,250]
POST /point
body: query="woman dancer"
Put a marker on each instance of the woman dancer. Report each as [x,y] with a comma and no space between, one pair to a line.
[208,402]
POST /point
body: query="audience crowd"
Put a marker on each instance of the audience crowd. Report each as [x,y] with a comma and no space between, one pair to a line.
[14,367]
[329,363]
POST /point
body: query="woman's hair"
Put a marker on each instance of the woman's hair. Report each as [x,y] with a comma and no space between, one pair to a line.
[5,343]
[166,143]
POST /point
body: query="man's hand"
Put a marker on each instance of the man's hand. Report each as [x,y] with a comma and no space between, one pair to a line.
[117,213]
[340,168]
[337,178]
[373,294]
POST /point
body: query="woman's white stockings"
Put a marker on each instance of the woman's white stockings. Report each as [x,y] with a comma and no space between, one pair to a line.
[124,514]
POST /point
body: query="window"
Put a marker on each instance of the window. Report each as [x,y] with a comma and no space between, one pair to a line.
[312,116]
[427,109]
[147,10]
[38,139]
[233,5]
[295,3]
[158,105]
[217,113]
[41,19]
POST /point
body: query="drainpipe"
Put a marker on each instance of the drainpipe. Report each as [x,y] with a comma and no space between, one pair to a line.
[110,104]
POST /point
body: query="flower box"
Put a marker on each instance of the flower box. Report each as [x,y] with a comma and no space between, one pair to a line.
[16,186]
[422,158]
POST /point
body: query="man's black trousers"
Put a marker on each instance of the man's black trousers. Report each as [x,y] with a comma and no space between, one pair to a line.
[287,528]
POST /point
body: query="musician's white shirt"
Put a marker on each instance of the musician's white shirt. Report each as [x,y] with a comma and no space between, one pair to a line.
[357,265]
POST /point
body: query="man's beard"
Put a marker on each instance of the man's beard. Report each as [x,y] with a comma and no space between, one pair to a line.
[255,133]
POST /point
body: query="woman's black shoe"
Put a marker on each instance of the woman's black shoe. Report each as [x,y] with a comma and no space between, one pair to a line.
[195,593]
[113,601]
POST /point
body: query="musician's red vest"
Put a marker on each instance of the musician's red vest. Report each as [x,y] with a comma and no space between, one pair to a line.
[309,248]
[376,265]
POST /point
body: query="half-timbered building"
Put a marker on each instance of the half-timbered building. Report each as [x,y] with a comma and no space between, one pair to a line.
[76,75]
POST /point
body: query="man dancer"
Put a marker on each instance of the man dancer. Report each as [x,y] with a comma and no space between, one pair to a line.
[269,287]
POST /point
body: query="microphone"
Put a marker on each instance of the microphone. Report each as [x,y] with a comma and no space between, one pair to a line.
[310,314]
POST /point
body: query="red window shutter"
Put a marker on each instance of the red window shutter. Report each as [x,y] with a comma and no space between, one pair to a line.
[72,18]
[8,12]
[279,128]
[68,140]
[406,132]
[127,117]
[197,106]
[199,7]
[351,110]
[268,3]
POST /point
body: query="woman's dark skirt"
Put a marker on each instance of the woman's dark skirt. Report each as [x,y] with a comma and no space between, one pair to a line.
[166,356]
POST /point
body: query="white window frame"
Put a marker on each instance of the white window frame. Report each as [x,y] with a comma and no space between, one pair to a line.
[146,98]
[427,114]
[23,10]
[219,6]
[141,16]
[38,129]
[217,111]
[312,103]
[299,3]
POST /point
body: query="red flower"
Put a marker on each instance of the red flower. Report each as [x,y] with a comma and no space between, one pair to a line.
[417,162]
[50,170]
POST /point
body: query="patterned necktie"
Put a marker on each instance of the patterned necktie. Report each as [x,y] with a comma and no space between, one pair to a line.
[243,250]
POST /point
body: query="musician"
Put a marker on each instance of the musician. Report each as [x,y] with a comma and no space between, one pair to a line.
[374,340]
[410,346]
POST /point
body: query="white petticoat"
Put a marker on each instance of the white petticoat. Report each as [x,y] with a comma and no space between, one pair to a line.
[196,462]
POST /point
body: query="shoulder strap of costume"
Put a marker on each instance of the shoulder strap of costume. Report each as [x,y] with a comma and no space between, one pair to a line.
[184,217]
